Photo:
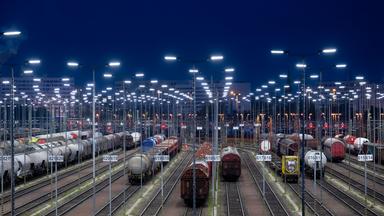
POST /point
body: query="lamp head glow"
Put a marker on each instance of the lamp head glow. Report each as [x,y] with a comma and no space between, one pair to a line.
[36,79]
[72,64]
[217,58]
[114,64]
[229,70]
[359,77]
[164,86]
[127,81]
[11,33]
[5,82]
[200,78]
[297,82]
[283,76]
[278,52]
[28,71]
[229,78]
[228,83]
[329,50]
[341,66]
[264,86]
[107,75]
[139,75]
[141,86]
[286,86]
[154,81]
[301,65]
[193,70]
[170,58]
[314,76]
[65,79]
[34,61]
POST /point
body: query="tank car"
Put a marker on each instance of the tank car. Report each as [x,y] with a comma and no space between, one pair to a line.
[334,149]
[358,143]
[230,163]
[311,164]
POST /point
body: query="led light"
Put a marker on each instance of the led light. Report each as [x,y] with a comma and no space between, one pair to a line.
[12,33]
[258,90]
[341,66]
[34,61]
[114,64]
[139,74]
[228,78]
[72,64]
[28,71]
[170,58]
[228,70]
[329,50]
[5,82]
[36,79]
[271,82]
[283,76]
[164,86]
[217,57]
[337,83]
[359,78]
[127,81]
[277,52]
[90,84]
[193,70]
[109,88]
[107,75]
[286,86]
[141,86]
[200,78]
[264,86]
[65,79]
[301,65]
[314,76]
[228,83]
[154,81]
[296,82]
[67,85]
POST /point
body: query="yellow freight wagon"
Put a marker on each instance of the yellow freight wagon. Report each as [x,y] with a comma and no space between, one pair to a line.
[290,168]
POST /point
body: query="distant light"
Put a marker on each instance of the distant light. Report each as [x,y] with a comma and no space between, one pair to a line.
[264,86]
[36,79]
[141,86]
[297,82]
[6,82]
[277,52]
[217,57]
[139,75]
[65,79]
[258,90]
[193,70]
[277,89]
[329,50]
[359,78]
[11,33]
[72,64]
[170,58]
[164,86]
[127,81]
[341,66]
[286,86]
[67,85]
[28,71]
[301,65]
[228,83]
[34,61]
[283,76]
[90,84]
[314,76]
[107,75]
[171,89]
[200,78]
[114,64]
[109,88]
[229,78]
[271,82]
[154,81]
[337,83]
[228,70]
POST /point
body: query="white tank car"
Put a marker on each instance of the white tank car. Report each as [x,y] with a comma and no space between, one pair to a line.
[310,159]
[358,144]
[306,136]
[136,137]
[139,164]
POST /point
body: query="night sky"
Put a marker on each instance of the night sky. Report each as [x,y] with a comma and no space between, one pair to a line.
[140,33]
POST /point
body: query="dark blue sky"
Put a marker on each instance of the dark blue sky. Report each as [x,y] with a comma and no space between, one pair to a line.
[140,33]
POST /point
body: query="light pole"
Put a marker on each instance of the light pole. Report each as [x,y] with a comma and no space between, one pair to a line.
[74,64]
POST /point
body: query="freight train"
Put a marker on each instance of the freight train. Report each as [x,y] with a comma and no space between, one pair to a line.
[142,166]
[31,156]
[203,175]
[230,163]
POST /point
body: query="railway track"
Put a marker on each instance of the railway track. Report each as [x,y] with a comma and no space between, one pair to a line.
[311,202]
[273,202]
[353,159]
[189,211]
[376,179]
[47,181]
[46,197]
[355,184]
[353,204]
[155,204]
[234,200]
